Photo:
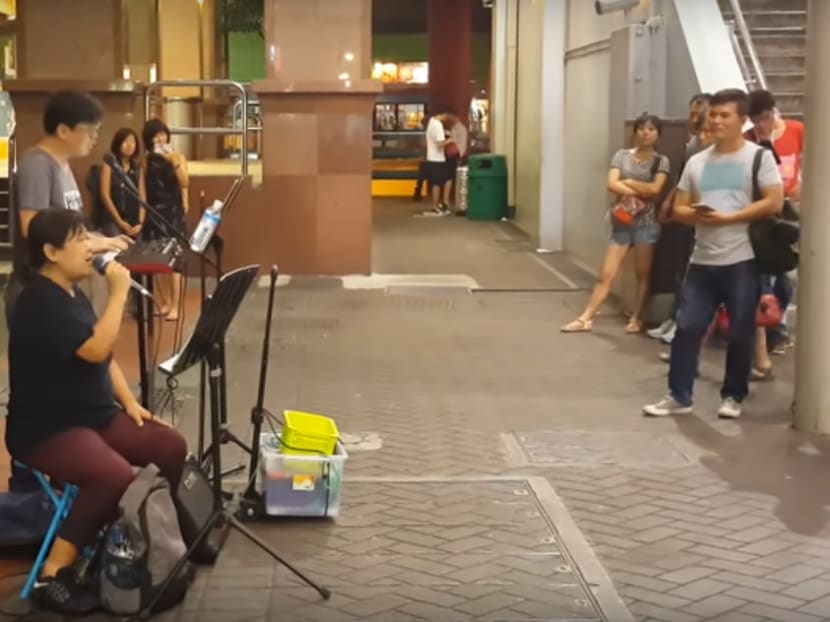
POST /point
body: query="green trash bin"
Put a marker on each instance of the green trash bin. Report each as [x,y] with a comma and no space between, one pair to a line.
[486,187]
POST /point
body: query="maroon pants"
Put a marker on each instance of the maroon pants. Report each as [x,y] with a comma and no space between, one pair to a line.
[99,463]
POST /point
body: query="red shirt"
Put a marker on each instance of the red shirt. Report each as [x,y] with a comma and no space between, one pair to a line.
[789,147]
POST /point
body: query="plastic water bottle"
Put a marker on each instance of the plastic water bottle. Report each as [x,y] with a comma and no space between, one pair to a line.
[207,227]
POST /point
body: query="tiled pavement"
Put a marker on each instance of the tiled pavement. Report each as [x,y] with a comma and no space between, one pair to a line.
[503,444]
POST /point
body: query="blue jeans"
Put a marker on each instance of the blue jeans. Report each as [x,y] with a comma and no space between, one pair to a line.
[704,289]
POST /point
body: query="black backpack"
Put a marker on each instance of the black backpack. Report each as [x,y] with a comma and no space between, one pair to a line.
[773,238]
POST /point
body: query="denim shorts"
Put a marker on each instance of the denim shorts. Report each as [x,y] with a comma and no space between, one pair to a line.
[636,235]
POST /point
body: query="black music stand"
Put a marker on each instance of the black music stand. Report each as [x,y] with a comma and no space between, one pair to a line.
[204,344]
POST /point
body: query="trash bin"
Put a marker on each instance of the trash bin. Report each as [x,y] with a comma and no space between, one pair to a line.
[461,188]
[486,187]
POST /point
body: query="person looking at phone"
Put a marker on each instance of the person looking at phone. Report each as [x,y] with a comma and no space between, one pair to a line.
[722,269]
[165,180]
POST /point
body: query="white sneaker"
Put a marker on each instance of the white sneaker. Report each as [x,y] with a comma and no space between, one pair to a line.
[666,407]
[657,333]
[668,336]
[729,409]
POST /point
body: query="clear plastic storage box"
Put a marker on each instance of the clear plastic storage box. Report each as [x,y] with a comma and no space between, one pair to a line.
[300,485]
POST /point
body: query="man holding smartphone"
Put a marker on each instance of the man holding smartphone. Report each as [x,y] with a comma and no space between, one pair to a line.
[715,194]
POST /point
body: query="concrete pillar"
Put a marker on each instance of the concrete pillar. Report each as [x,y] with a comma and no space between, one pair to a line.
[503,87]
[811,409]
[450,48]
[552,161]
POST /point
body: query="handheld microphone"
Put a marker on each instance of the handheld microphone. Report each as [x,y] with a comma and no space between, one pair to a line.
[99,262]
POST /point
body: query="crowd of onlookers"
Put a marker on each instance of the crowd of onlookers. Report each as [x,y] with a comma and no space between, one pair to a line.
[725,184]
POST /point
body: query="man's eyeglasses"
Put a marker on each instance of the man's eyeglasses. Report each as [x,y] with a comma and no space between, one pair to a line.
[92,130]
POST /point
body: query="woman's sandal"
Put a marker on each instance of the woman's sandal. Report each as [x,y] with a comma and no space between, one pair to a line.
[578,326]
[761,375]
[634,326]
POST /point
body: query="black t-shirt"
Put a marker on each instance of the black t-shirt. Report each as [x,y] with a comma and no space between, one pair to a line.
[51,388]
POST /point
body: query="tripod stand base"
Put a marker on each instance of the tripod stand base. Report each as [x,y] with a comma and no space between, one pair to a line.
[227,521]
[251,507]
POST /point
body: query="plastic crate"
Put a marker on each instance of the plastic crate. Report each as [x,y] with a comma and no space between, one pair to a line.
[300,485]
[308,434]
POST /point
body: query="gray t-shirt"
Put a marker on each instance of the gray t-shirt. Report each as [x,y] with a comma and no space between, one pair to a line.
[41,183]
[723,181]
[639,171]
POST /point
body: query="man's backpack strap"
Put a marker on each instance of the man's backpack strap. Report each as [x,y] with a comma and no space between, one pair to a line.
[756,168]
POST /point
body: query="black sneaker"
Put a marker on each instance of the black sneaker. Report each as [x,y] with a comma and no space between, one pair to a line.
[66,593]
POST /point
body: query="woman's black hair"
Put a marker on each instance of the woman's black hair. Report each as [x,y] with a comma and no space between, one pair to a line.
[54,227]
[118,139]
[151,128]
[648,119]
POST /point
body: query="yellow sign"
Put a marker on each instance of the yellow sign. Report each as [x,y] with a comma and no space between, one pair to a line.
[8,7]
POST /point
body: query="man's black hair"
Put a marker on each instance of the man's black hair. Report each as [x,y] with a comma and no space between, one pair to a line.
[151,128]
[70,108]
[700,97]
[51,226]
[648,119]
[732,96]
[760,102]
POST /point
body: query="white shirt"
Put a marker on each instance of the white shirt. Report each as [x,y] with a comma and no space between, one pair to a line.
[723,181]
[435,136]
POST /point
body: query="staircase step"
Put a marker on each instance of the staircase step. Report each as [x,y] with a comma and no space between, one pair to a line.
[786,46]
[789,102]
[776,62]
[765,5]
[785,82]
[772,19]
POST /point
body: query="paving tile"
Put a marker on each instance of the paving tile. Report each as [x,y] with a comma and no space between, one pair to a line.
[760,596]
[443,377]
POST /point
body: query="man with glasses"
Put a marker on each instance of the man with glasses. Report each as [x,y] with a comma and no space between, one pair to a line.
[44,181]
[787,139]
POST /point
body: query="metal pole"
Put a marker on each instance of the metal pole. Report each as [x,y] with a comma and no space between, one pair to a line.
[811,408]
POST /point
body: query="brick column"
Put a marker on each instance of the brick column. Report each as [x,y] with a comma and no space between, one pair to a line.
[450,43]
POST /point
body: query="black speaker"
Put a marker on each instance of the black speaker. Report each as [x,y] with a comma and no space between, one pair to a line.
[195,504]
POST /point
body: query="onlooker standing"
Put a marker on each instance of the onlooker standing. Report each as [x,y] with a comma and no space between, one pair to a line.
[715,194]
[685,235]
[165,176]
[636,177]
[787,139]
[437,171]
[456,151]
[122,212]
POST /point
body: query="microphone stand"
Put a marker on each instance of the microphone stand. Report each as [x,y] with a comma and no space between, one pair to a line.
[225,435]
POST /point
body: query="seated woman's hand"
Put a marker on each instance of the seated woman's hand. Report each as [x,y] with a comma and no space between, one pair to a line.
[139,414]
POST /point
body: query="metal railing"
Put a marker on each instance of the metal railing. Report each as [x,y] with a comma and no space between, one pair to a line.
[743,29]
[230,84]
[749,79]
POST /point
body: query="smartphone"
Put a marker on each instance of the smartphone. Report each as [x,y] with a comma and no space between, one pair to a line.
[702,207]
